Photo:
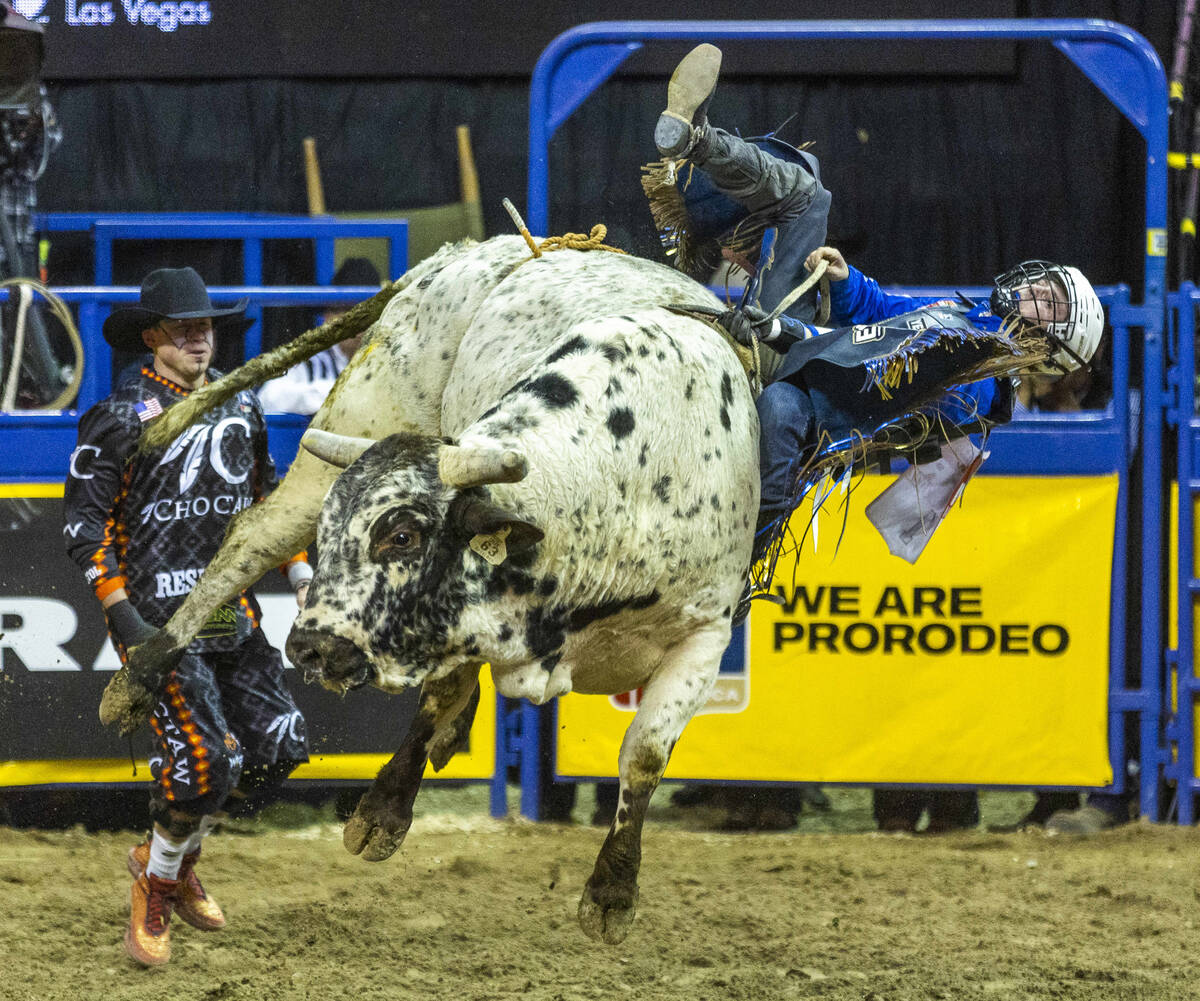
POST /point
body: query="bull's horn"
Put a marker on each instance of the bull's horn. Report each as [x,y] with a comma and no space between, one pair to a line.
[462,467]
[337,449]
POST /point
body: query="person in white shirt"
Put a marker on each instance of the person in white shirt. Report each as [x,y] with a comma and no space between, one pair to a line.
[303,388]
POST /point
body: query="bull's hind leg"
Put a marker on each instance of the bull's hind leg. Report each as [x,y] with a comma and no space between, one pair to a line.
[672,696]
[260,537]
[440,728]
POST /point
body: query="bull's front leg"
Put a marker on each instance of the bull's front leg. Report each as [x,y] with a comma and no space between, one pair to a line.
[443,721]
[258,538]
[673,695]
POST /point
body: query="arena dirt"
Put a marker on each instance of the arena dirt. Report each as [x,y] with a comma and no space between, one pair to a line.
[475,908]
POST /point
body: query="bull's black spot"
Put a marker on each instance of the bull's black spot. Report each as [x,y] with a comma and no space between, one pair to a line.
[505,633]
[620,422]
[642,455]
[554,390]
[550,663]
[427,280]
[661,488]
[613,354]
[545,631]
[548,585]
[508,578]
[726,389]
[689,389]
[643,351]
[715,501]
[725,423]
[574,346]
[581,618]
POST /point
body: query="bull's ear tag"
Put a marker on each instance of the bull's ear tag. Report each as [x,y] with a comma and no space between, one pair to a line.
[491,547]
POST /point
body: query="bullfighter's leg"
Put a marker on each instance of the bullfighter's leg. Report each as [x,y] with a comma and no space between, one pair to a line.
[440,728]
[262,536]
[673,695]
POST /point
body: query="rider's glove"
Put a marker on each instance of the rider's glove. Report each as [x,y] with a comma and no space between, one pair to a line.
[746,325]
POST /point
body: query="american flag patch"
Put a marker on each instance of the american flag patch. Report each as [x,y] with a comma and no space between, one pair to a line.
[148,409]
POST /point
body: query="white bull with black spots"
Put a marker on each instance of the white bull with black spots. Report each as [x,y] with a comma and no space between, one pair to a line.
[565,489]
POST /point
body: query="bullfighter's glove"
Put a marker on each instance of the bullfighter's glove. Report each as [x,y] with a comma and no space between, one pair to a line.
[746,325]
[127,624]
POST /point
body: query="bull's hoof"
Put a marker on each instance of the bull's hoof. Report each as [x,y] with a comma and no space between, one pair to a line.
[607,916]
[125,703]
[365,834]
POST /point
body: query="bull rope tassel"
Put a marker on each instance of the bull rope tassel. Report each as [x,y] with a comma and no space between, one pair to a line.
[511,209]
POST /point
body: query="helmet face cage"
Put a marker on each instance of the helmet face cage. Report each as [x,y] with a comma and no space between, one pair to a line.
[1058,314]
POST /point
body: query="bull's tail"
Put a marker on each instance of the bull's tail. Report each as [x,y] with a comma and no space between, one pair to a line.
[274,363]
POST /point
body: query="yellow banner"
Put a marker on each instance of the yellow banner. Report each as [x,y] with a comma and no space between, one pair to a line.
[985,663]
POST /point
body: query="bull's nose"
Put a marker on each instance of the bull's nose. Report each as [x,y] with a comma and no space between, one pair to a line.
[323,656]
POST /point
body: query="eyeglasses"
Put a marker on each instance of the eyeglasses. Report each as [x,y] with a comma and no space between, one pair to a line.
[179,332]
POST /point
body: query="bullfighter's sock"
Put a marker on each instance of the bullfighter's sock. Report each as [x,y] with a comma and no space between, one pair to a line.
[165,856]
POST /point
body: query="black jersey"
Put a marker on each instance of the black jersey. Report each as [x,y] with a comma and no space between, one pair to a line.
[151,522]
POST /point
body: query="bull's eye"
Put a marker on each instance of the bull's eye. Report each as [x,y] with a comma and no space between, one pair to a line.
[398,544]
[395,537]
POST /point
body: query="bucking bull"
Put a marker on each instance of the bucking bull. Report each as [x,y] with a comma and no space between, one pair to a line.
[531,463]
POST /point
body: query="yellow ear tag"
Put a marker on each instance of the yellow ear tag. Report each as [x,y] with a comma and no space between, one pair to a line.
[491,547]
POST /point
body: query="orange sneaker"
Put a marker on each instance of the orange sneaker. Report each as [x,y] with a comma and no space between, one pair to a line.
[148,937]
[192,903]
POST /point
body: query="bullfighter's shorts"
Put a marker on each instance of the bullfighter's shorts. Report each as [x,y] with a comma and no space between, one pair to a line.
[222,713]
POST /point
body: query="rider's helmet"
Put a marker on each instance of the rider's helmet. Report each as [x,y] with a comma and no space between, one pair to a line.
[1059,300]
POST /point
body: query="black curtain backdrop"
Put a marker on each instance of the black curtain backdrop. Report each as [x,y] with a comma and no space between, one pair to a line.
[936,179]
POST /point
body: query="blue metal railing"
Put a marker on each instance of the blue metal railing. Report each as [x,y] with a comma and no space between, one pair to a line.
[106,229]
[35,446]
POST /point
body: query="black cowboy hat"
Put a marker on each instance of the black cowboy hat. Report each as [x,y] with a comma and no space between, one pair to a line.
[170,294]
